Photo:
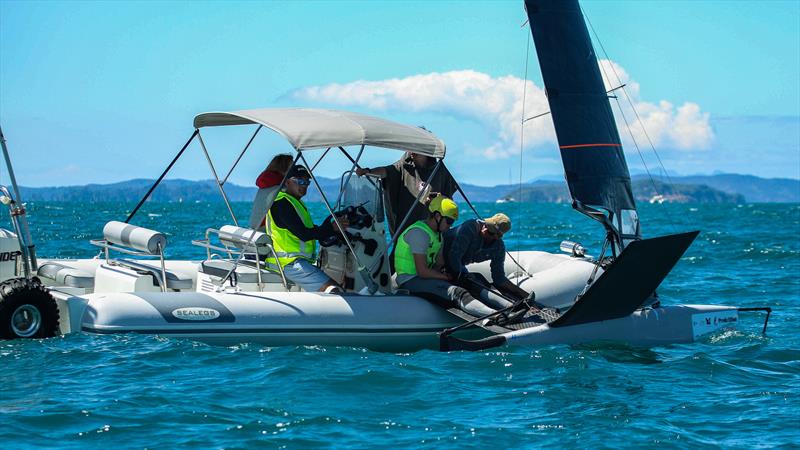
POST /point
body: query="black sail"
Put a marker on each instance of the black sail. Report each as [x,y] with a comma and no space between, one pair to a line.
[591,151]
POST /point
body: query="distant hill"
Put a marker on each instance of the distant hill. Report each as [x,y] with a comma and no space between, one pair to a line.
[724,188]
[167,191]
[754,189]
[644,191]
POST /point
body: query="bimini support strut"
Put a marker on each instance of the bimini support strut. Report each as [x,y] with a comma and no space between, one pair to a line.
[216,179]
[393,241]
[239,158]
[169,167]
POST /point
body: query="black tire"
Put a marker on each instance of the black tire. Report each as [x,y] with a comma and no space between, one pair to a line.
[27,310]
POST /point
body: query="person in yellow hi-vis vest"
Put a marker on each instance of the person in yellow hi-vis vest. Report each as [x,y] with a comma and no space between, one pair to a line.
[294,235]
[418,261]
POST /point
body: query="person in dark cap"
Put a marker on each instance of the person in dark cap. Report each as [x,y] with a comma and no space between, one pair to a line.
[482,240]
[402,183]
[294,235]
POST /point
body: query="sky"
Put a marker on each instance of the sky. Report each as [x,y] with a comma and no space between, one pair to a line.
[100,92]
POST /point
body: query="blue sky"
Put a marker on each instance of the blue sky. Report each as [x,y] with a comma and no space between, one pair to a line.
[97,92]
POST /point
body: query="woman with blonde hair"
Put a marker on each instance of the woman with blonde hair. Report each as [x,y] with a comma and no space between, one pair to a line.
[268,183]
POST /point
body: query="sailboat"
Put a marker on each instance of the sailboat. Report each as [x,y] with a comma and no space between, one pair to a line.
[230,296]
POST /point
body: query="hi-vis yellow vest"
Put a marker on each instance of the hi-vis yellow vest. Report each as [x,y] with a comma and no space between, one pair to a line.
[404,258]
[287,246]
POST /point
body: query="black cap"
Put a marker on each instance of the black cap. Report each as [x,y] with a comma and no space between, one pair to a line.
[299,171]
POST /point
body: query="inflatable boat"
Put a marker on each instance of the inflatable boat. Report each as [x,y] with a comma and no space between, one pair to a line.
[230,296]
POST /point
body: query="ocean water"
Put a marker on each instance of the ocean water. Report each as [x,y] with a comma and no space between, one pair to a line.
[736,389]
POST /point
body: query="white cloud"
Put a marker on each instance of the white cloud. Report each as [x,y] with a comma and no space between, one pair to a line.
[684,128]
[496,103]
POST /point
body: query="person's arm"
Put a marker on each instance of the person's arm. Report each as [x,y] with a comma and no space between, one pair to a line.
[459,246]
[438,265]
[511,289]
[499,279]
[378,171]
[285,216]
[423,271]
[419,242]
[497,263]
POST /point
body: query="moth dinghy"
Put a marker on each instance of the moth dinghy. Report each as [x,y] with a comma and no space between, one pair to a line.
[231,296]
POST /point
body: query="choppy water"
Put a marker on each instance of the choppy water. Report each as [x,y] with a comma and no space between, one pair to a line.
[735,389]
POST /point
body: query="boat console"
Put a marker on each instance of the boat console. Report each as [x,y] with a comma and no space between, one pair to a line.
[361,202]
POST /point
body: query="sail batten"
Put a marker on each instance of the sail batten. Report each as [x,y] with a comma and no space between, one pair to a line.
[591,151]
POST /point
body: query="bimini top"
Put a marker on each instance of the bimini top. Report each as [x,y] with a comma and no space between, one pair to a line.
[322,128]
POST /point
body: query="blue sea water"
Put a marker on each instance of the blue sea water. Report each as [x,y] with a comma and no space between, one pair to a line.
[734,389]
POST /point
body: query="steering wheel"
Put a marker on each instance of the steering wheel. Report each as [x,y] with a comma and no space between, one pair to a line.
[357,216]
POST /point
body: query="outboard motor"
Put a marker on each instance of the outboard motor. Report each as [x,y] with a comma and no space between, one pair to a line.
[9,255]
[27,309]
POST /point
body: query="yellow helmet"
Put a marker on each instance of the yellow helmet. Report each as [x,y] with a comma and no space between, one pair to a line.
[444,206]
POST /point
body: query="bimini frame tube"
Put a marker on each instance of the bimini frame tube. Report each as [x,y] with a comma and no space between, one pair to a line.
[349,175]
[244,150]
[216,178]
[28,248]
[169,167]
[439,164]
[397,233]
[355,164]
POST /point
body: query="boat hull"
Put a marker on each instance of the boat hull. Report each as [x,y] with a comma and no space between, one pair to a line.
[386,323]
[398,323]
[647,327]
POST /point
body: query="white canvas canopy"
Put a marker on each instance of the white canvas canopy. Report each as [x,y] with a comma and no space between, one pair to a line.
[307,128]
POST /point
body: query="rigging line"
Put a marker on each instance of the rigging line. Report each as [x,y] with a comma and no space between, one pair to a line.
[636,144]
[625,119]
[638,117]
[630,102]
[548,112]
[536,116]
[475,211]
[528,38]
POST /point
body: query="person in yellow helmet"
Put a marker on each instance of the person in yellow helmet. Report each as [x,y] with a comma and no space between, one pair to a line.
[418,260]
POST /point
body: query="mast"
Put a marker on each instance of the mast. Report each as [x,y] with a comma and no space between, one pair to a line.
[591,151]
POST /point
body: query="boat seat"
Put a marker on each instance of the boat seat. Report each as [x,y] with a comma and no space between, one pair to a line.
[175,280]
[245,271]
[64,275]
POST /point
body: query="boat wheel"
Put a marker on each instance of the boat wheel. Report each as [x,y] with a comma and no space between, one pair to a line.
[27,310]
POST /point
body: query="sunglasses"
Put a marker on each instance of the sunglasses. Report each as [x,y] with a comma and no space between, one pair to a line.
[301,181]
[450,221]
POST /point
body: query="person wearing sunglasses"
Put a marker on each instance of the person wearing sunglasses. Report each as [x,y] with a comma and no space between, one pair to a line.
[482,240]
[418,259]
[294,235]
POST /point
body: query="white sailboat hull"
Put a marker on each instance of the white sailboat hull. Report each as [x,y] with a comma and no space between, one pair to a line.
[647,327]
